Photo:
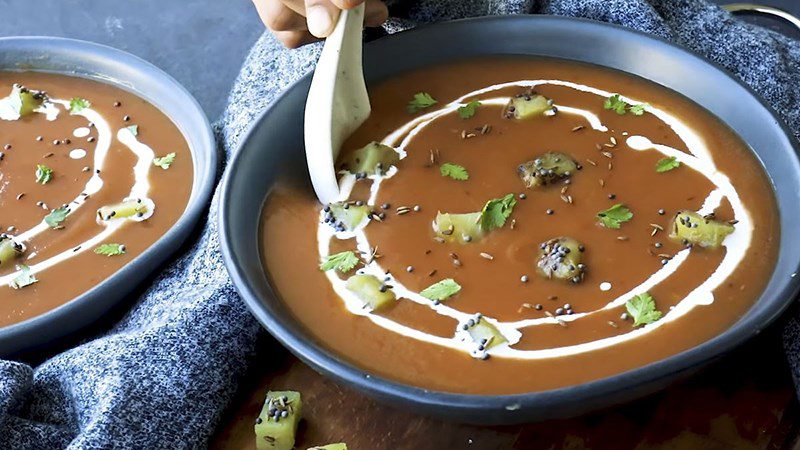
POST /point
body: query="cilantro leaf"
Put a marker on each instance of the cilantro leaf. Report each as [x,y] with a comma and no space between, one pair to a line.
[442,290]
[620,106]
[56,217]
[667,164]
[343,262]
[496,211]
[165,161]
[421,101]
[638,110]
[643,309]
[468,110]
[454,171]
[134,129]
[25,278]
[43,174]
[110,249]
[77,105]
[614,216]
[616,104]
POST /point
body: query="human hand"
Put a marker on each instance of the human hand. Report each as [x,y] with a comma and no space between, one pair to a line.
[300,22]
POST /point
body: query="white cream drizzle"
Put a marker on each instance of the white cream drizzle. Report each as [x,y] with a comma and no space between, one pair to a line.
[77,153]
[700,160]
[81,132]
[140,188]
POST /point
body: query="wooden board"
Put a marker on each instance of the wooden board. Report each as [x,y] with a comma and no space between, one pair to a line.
[746,401]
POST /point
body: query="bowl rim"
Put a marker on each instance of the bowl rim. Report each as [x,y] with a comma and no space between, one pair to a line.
[87,308]
[329,363]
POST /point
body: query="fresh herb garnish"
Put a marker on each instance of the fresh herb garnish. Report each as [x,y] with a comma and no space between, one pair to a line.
[442,290]
[638,110]
[110,249]
[77,105]
[421,101]
[496,211]
[454,171]
[165,161]
[643,309]
[25,278]
[343,262]
[468,110]
[134,129]
[43,174]
[615,104]
[56,217]
[667,164]
[614,216]
[619,106]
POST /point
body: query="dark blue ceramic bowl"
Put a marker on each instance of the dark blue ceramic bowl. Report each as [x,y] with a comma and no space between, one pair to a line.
[272,150]
[125,71]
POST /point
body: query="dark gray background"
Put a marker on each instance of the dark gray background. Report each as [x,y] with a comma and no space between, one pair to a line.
[199,42]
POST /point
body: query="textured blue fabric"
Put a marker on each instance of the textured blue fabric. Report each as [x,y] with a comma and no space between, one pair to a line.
[162,376]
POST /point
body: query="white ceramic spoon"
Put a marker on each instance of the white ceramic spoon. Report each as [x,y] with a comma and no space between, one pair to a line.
[337,102]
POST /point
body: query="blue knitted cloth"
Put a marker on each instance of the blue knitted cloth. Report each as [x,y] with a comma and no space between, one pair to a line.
[163,375]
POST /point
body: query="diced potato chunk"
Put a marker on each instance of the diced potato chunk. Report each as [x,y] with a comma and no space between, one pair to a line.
[547,169]
[373,292]
[688,227]
[345,216]
[338,446]
[136,209]
[483,333]
[276,426]
[10,250]
[560,258]
[528,105]
[374,158]
[461,228]
[26,100]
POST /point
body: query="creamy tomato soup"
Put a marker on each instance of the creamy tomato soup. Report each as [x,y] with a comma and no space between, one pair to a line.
[90,177]
[512,225]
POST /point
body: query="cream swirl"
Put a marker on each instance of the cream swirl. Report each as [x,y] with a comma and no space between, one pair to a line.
[699,160]
[140,188]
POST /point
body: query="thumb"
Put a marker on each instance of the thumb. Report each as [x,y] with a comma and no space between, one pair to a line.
[321,16]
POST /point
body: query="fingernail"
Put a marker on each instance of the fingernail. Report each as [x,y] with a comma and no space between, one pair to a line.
[320,22]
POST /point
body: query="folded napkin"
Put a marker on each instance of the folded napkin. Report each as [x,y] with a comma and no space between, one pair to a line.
[162,376]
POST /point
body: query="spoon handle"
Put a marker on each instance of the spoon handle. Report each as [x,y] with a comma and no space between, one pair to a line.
[337,101]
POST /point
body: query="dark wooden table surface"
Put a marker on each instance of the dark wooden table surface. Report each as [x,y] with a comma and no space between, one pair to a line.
[745,401]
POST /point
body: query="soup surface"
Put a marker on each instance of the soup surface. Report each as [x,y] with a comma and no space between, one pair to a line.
[90,177]
[522,225]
